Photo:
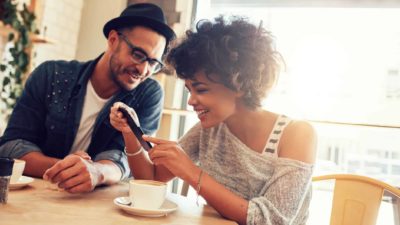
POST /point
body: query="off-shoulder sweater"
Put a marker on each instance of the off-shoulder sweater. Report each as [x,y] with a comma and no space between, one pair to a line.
[278,189]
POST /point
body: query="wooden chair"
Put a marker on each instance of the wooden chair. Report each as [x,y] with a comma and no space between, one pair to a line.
[356,199]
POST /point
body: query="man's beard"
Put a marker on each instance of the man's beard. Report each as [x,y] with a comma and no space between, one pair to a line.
[114,74]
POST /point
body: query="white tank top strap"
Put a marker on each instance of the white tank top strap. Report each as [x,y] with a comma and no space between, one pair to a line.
[273,141]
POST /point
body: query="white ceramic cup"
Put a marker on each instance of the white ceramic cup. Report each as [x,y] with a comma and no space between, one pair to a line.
[147,194]
[18,169]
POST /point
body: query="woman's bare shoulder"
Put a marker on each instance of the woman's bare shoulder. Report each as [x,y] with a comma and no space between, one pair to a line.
[299,142]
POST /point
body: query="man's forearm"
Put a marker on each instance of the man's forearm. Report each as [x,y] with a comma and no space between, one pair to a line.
[109,172]
[37,163]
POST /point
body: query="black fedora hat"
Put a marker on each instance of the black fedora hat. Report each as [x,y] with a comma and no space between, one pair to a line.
[143,14]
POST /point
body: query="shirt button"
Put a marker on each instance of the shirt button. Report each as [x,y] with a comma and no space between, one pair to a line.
[52,127]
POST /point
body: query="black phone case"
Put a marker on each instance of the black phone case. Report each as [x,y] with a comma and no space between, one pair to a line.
[135,128]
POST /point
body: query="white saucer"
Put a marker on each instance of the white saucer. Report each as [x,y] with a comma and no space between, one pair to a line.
[167,207]
[22,182]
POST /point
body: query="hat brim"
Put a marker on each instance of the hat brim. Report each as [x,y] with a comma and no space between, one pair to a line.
[128,21]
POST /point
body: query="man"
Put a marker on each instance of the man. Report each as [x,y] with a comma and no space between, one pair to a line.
[61,121]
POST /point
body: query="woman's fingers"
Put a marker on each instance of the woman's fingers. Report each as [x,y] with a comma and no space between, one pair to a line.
[154,153]
[168,151]
[157,141]
[116,105]
[117,118]
[115,109]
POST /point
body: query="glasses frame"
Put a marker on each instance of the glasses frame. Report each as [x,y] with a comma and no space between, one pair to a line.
[157,66]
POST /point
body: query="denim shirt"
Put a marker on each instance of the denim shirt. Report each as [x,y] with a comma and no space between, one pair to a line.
[46,117]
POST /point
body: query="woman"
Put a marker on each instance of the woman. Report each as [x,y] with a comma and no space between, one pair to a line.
[253,166]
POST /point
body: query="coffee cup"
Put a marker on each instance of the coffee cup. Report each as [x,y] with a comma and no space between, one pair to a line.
[17,171]
[147,194]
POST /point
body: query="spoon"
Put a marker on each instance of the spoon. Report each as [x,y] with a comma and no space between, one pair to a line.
[124,201]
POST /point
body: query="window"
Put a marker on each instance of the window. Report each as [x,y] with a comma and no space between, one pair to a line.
[342,73]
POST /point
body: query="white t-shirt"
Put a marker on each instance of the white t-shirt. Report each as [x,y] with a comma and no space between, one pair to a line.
[92,106]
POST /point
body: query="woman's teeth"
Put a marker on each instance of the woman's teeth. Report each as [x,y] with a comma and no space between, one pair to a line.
[201,112]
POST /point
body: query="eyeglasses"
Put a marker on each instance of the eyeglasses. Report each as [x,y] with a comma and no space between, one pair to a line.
[139,56]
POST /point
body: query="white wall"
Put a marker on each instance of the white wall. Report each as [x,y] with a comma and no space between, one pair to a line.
[74,28]
[95,13]
[60,22]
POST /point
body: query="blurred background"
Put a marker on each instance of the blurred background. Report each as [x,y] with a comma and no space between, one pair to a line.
[342,69]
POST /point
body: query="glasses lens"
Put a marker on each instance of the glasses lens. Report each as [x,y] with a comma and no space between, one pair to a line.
[155,65]
[138,56]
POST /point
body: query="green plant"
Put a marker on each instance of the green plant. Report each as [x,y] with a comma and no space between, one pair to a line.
[22,22]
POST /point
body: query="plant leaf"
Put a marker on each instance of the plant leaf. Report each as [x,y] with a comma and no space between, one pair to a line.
[11,36]
[3,67]
[6,81]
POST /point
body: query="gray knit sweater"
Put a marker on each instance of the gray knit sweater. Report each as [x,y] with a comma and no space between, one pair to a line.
[278,189]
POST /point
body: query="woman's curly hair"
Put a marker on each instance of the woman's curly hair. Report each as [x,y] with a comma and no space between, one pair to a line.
[241,55]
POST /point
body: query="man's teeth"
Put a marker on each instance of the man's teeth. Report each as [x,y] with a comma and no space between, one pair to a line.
[133,74]
[201,112]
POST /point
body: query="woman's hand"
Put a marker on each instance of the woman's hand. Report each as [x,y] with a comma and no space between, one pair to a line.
[170,155]
[117,119]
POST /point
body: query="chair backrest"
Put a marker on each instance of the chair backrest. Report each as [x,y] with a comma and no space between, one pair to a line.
[356,199]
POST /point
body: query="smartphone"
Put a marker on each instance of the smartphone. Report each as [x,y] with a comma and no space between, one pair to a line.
[135,128]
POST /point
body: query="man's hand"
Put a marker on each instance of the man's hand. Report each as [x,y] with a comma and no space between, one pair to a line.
[74,174]
[83,155]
